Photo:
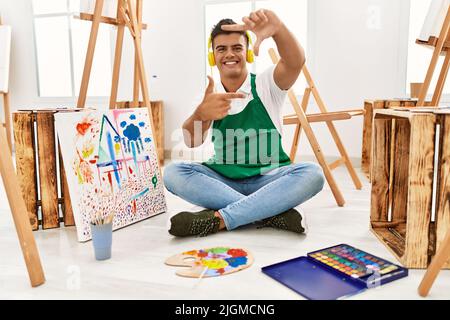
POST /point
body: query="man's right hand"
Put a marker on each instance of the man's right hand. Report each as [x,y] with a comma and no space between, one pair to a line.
[215,106]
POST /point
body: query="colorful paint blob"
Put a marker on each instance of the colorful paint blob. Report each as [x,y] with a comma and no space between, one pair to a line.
[212,262]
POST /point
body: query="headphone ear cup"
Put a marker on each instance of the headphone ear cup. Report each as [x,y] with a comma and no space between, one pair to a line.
[211,59]
[250,56]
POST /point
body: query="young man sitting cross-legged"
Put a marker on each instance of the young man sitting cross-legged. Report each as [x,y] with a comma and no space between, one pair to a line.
[250,178]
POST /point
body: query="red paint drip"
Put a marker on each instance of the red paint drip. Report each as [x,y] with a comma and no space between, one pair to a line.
[110,179]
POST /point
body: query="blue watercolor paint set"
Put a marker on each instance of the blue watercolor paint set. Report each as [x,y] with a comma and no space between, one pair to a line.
[334,273]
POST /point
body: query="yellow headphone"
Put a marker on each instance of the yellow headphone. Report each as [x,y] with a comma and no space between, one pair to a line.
[250,53]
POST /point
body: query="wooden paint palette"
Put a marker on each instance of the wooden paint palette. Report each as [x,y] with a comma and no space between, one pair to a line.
[213,262]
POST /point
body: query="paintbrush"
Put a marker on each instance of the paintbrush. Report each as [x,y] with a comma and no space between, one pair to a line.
[101,219]
[102,216]
[109,218]
[201,277]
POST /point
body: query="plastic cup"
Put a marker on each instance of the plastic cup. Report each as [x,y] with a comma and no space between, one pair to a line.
[102,241]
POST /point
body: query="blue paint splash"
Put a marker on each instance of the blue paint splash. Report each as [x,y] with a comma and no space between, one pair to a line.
[132,132]
[141,124]
[133,150]
[141,194]
[123,124]
[133,117]
[236,262]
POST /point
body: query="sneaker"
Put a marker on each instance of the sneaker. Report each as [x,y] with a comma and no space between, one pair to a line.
[201,224]
[291,220]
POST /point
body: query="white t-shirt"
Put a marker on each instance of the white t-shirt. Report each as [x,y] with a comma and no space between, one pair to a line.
[270,94]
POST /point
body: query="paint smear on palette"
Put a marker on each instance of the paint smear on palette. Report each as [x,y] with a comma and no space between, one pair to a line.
[211,262]
[111,166]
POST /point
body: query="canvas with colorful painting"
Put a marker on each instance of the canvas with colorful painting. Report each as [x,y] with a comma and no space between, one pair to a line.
[111,166]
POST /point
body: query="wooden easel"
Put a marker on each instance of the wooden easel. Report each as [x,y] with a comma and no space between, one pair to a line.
[19,213]
[7,113]
[129,14]
[302,121]
[441,257]
[441,47]
[16,203]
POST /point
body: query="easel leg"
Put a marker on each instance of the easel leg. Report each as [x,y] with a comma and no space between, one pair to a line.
[90,54]
[19,213]
[310,134]
[8,120]
[439,260]
[343,152]
[437,51]
[441,81]
[298,129]
[333,131]
[142,75]
[116,69]
[295,142]
[136,84]
[136,58]
[317,150]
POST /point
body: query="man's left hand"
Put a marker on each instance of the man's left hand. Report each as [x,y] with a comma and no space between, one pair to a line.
[263,23]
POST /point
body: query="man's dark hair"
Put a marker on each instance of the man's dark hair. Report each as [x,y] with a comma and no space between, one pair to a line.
[217,30]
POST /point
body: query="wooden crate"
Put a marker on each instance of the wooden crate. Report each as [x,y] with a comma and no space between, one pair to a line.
[37,161]
[370,106]
[402,184]
[158,122]
[443,182]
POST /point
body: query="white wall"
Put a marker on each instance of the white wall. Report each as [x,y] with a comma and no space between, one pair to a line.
[172,49]
[23,72]
[355,56]
[22,78]
[352,58]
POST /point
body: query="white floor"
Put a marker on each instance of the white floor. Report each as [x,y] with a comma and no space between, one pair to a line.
[137,270]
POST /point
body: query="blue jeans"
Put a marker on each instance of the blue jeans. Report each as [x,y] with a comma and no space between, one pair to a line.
[245,201]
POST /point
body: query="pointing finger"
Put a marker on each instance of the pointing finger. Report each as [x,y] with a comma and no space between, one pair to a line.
[231,95]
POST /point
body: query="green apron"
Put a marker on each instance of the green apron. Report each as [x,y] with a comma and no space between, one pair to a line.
[247,144]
